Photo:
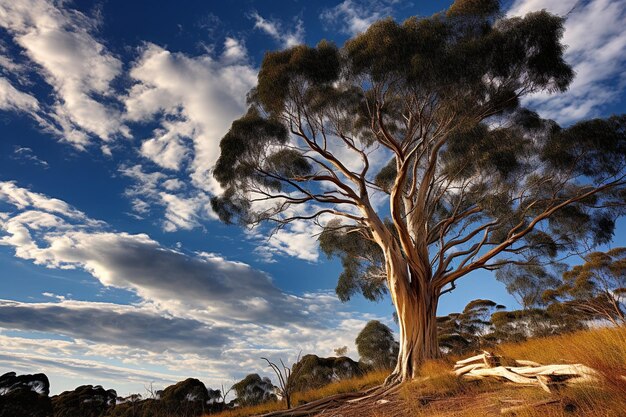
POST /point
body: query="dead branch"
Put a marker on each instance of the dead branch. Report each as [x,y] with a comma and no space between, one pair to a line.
[487,365]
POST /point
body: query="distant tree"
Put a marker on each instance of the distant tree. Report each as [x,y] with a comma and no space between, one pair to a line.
[527,283]
[519,325]
[460,333]
[473,181]
[312,372]
[377,346]
[596,288]
[341,351]
[253,390]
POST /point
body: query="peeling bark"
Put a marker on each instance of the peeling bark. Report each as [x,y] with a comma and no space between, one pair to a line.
[416,307]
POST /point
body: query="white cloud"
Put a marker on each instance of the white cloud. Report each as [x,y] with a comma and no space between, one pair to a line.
[234,51]
[22,198]
[177,328]
[167,149]
[596,48]
[276,30]
[184,208]
[355,16]
[68,363]
[59,42]
[27,155]
[51,233]
[201,93]
[115,324]
[297,239]
[13,99]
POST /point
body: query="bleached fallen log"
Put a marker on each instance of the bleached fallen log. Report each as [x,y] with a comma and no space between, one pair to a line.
[480,357]
[487,365]
[468,368]
[543,382]
[576,370]
[502,372]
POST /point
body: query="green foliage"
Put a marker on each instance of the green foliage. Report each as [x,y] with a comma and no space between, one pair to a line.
[313,372]
[594,148]
[376,345]
[279,71]
[595,288]
[527,283]
[253,390]
[361,258]
[386,176]
[474,8]
[461,333]
[439,98]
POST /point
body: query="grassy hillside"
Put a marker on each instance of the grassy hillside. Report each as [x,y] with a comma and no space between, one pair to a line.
[437,393]
[348,385]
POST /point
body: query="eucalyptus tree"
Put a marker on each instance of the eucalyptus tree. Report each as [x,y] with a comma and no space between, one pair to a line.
[528,283]
[473,180]
[597,288]
[377,346]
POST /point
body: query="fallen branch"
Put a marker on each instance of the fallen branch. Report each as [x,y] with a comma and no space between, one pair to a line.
[531,373]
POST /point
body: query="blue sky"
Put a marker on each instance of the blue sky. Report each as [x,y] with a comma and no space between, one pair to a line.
[113,269]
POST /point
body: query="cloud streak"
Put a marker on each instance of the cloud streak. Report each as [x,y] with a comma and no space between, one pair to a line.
[355,16]
[596,48]
[114,324]
[78,67]
[277,31]
[197,312]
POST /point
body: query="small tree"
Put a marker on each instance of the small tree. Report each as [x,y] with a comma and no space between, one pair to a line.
[527,283]
[596,288]
[341,351]
[253,390]
[474,181]
[377,346]
[462,332]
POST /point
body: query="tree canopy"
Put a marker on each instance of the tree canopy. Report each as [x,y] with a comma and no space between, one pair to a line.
[410,147]
[253,390]
[597,288]
[377,346]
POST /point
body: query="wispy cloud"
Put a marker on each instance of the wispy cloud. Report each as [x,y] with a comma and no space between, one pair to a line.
[355,16]
[13,99]
[60,44]
[277,31]
[197,98]
[596,48]
[27,155]
[187,301]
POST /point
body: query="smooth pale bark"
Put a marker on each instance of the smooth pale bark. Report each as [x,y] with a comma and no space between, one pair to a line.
[416,308]
[415,301]
[417,319]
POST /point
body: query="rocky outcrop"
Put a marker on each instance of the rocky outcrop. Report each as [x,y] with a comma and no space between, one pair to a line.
[24,395]
[84,401]
[315,372]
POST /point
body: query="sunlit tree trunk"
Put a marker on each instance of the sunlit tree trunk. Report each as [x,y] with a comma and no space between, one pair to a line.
[416,308]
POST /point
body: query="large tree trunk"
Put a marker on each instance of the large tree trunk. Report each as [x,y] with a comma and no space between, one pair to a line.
[416,307]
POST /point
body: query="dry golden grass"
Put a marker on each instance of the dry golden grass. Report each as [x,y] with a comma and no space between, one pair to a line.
[438,393]
[369,380]
[603,349]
